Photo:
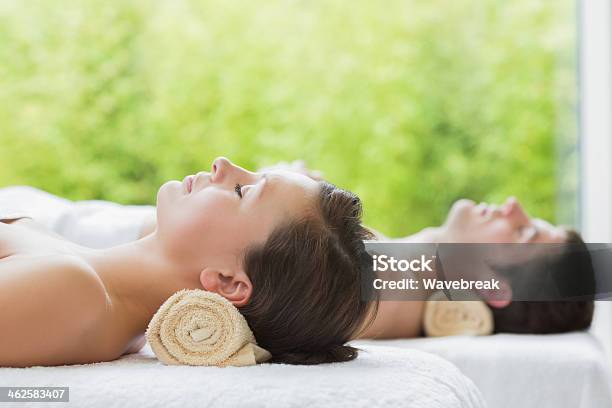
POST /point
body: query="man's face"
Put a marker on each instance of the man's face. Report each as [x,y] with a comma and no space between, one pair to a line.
[509,223]
[468,222]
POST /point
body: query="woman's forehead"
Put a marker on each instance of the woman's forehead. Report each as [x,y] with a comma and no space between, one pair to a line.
[290,186]
[280,177]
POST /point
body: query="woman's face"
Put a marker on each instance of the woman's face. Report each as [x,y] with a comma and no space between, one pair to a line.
[508,223]
[209,218]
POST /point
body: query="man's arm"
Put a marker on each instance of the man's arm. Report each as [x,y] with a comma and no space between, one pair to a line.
[377,234]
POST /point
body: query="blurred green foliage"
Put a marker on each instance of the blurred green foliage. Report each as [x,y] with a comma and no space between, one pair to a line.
[410,104]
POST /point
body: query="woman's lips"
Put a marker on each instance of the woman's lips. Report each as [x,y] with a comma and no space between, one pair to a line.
[188,183]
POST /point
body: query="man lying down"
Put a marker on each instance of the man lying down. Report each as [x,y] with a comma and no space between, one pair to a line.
[561,269]
[104,224]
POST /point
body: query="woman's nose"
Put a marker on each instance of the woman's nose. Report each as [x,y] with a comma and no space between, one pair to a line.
[219,163]
[222,168]
[219,168]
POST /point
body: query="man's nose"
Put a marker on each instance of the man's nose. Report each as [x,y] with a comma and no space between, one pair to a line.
[509,206]
[512,208]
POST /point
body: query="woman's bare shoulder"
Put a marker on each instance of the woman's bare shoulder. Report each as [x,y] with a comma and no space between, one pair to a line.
[50,302]
[52,282]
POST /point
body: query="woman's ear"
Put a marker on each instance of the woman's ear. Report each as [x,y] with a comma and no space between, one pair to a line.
[235,286]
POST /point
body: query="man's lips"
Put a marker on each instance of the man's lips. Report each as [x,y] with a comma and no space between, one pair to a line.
[481,209]
[484,209]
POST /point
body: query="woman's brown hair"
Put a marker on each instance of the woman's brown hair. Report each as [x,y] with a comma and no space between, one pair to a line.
[307,302]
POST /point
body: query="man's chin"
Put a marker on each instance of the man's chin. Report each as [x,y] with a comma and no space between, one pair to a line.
[458,214]
[462,204]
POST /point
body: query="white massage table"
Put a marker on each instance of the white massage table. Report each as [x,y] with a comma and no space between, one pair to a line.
[557,371]
[380,377]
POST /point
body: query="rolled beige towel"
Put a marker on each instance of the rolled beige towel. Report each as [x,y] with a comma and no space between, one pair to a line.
[453,317]
[196,327]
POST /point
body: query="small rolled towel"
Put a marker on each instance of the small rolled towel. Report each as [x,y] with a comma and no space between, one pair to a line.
[196,327]
[453,317]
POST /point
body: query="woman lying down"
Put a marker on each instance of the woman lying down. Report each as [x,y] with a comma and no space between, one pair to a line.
[286,249]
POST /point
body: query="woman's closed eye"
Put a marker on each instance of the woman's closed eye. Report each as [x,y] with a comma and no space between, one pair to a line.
[242,189]
[238,189]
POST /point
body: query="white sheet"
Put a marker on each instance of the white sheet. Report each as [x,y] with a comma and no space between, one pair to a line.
[380,377]
[92,223]
[557,371]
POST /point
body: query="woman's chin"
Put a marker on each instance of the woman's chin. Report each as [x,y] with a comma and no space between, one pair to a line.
[168,191]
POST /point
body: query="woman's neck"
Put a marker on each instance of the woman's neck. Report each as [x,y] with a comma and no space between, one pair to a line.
[138,278]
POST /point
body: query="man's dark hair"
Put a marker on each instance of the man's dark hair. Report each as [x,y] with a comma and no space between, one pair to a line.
[573,276]
[306,301]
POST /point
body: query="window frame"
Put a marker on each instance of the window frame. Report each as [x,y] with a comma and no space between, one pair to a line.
[595,139]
